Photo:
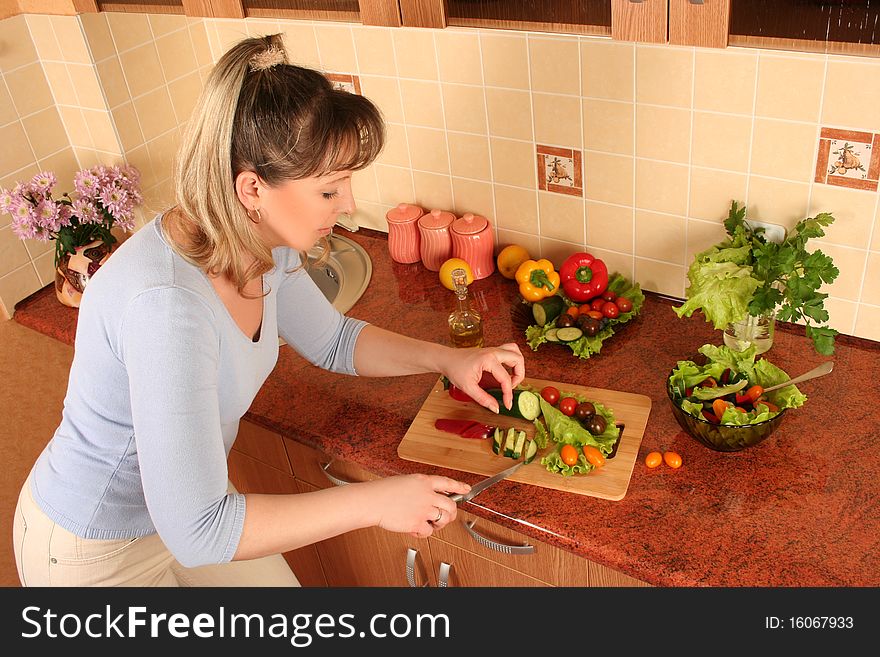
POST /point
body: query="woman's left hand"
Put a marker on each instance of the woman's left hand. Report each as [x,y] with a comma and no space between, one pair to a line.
[465,367]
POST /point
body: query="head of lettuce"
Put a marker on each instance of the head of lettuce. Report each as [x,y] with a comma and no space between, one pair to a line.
[748,275]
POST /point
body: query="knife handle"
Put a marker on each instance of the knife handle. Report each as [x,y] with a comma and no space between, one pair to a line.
[457,498]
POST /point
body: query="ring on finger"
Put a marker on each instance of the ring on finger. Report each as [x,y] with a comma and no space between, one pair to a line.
[439,515]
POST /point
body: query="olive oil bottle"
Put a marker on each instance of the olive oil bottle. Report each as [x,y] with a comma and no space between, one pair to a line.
[465,323]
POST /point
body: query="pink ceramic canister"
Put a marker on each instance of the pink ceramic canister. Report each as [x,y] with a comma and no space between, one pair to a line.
[436,241]
[473,242]
[403,233]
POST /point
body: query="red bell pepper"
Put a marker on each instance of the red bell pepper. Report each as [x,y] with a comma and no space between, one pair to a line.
[583,277]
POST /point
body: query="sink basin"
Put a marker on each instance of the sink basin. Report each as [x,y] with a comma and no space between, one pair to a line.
[345,275]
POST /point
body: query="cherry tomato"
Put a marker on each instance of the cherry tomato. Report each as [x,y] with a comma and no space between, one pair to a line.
[653,459]
[573,311]
[568,405]
[718,407]
[595,314]
[754,393]
[672,459]
[569,454]
[608,295]
[597,303]
[550,395]
[624,304]
[610,310]
[709,383]
[594,456]
[458,395]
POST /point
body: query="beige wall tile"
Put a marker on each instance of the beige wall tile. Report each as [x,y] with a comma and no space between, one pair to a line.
[853,212]
[557,120]
[530,242]
[336,47]
[473,196]
[65,166]
[45,266]
[28,89]
[555,65]
[868,322]
[364,186]
[510,113]
[129,30]
[663,75]
[43,37]
[784,150]
[162,151]
[176,54]
[851,263]
[608,178]
[18,49]
[98,35]
[385,93]
[513,162]
[622,263]
[660,236]
[395,184]
[301,44]
[427,149]
[469,156]
[375,50]
[777,201]
[396,149]
[102,131]
[700,236]
[372,215]
[608,126]
[155,113]
[164,23]
[609,227]
[841,314]
[607,69]
[725,80]
[45,132]
[432,190]
[13,253]
[660,277]
[112,81]
[70,37]
[257,27]
[17,285]
[662,187]
[789,88]
[36,248]
[184,95]
[142,69]
[561,217]
[125,120]
[140,158]
[199,36]
[59,81]
[505,60]
[7,108]
[721,141]
[663,133]
[712,191]
[875,239]
[88,89]
[458,56]
[15,150]
[75,125]
[871,292]
[852,95]
[556,251]
[464,107]
[421,103]
[516,209]
[415,55]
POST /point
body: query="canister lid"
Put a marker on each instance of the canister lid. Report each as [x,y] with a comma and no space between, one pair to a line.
[404,213]
[436,219]
[469,224]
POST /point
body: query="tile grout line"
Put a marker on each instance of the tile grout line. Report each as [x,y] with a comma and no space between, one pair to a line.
[635,118]
[495,223]
[357,65]
[533,151]
[583,138]
[752,129]
[412,174]
[687,214]
[443,117]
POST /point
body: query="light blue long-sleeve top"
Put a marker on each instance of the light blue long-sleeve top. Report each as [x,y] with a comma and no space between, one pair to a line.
[160,378]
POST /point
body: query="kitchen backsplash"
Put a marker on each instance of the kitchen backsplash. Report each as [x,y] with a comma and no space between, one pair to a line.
[632,151]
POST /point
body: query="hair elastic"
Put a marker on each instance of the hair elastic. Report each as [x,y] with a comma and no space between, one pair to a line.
[271,56]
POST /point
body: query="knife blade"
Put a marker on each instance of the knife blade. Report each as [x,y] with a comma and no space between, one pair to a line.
[479,487]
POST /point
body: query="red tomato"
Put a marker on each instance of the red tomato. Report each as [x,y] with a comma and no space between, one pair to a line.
[568,405]
[594,456]
[608,295]
[569,454]
[610,310]
[597,303]
[742,399]
[624,304]
[457,394]
[550,395]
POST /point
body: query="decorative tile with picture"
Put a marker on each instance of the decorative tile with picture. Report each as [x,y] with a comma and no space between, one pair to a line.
[848,158]
[345,82]
[559,170]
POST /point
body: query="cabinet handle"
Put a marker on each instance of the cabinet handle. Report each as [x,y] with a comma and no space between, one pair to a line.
[498,547]
[336,481]
[443,575]
[411,554]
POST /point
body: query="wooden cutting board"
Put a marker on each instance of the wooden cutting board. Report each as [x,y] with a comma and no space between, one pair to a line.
[425,444]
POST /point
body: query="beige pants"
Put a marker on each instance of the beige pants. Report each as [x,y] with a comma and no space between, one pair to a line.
[48,555]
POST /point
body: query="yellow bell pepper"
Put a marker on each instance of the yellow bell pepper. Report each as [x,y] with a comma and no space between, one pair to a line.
[537,280]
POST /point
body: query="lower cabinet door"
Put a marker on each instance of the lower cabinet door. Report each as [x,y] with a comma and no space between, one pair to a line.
[456,567]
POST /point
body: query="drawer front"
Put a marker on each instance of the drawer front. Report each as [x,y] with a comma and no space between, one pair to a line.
[309,465]
[263,445]
[458,567]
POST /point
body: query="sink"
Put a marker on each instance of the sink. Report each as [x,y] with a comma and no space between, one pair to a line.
[345,275]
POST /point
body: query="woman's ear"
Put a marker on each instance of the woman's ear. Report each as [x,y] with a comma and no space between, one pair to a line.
[248,188]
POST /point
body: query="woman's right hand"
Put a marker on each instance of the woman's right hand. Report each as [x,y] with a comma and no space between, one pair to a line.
[412,503]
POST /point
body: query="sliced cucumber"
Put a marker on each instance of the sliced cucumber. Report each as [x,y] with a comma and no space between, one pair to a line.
[569,334]
[497,439]
[546,310]
[520,443]
[510,442]
[551,335]
[526,404]
[531,450]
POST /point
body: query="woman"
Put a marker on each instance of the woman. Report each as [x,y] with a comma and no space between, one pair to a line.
[178,331]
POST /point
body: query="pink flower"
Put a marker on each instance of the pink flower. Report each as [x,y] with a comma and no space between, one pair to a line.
[85,210]
[5,201]
[43,183]
[86,183]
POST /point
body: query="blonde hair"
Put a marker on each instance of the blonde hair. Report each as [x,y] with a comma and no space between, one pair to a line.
[284,122]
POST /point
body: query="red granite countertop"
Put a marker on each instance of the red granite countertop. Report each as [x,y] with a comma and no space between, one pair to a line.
[800,509]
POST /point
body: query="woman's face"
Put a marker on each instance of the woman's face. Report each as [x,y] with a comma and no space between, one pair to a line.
[299,212]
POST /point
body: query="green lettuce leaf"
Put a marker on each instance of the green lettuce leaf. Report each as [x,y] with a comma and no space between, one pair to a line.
[767,374]
[693,408]
[722,290]
[567,430]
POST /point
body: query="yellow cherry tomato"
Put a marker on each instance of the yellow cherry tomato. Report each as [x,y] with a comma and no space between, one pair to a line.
[673,460]
[653,459]
[449,266]
[594,456]
[569,454]
[510,258]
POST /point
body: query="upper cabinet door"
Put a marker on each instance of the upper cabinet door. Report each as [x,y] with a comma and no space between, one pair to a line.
[639,20]
[699,23]
[573,16]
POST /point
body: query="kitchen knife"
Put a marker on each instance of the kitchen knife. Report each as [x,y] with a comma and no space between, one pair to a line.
[478,488]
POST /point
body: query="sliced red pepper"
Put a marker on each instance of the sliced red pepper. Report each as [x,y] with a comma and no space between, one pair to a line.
[583,277]
[458,394]
[709,416]
[464,428]
[725,375]
[742,399]
[773,408]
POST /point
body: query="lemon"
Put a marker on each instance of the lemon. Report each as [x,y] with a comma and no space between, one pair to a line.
[449,266]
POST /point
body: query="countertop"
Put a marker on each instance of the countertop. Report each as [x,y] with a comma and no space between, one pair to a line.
[800,509]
